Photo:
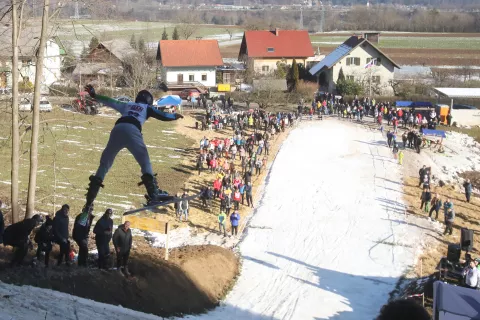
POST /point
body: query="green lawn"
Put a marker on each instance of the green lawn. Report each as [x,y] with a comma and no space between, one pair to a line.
[70,149]
[409,42]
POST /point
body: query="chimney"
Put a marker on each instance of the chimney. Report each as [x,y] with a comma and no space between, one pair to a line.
[276,31]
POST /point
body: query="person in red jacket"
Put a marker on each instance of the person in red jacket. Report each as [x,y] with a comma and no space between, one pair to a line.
[237,196]
[217,185]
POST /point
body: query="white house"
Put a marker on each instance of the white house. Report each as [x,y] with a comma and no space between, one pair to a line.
[189,62]
[354,57]
[28,46]
[264,50]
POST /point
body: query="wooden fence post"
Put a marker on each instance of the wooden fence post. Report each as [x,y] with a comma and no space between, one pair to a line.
[166,241]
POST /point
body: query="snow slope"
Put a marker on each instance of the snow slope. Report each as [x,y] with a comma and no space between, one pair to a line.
[328,239]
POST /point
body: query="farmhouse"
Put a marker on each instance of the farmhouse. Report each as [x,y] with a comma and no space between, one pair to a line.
[264,50]
[105,63]
[28,46]
[192,62]
[360,61]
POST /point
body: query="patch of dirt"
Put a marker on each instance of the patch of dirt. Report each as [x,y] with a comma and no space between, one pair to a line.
[193,281]
[474,177]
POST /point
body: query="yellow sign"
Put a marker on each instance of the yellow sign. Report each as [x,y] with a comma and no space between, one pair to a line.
[147,224]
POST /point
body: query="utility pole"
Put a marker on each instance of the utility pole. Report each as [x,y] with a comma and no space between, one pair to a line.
[322,17]
[300,24]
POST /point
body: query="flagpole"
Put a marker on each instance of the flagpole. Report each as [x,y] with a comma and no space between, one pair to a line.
[370,89]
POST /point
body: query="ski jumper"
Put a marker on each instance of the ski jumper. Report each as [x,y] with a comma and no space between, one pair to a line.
[127,133]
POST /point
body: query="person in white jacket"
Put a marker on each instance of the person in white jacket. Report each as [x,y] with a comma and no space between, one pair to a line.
[471,275]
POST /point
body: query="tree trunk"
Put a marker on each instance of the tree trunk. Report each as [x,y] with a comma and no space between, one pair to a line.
[32,181]
[15,129]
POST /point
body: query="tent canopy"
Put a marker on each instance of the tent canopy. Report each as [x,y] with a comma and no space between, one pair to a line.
[434,133]
[455,303]
[170,100]
[403,104]
[473,93]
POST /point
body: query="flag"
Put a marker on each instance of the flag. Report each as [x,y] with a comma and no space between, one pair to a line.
[370,64]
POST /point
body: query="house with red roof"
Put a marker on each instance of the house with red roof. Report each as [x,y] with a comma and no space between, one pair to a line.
[189,62]
[264,50]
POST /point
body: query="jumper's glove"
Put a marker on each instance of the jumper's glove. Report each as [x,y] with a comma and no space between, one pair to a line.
[91,91]
[178,116]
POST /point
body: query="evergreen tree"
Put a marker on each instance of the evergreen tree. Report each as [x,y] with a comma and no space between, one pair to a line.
[133,42]
[141,44]
[175,35]
[295,75]
[341,76]
[164,34]
[93,44]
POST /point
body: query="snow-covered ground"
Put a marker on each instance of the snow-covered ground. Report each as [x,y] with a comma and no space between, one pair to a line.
[328,240]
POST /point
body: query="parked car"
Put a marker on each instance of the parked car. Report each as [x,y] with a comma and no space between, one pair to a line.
[45,106]
[25,105]
[123,99]
[188,94]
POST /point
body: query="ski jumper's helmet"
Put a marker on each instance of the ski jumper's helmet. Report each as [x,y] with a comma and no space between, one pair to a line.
[144,97]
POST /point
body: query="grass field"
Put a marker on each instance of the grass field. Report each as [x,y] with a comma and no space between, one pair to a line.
[70,149]
[150,31]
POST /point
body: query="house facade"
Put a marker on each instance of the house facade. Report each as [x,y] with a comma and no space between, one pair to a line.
[264,50]
[106,63]
[360,61]
[27,67]
[183,62]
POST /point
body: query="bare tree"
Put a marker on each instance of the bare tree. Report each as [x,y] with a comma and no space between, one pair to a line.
[187,30]
[32,181]
[187,21]
[229,32]
[17,14]
[138,73]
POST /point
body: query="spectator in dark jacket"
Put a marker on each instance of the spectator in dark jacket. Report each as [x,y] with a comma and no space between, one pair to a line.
[234,220]
[248,193]
[17,235]
[122,241]
[2,223]
[426,197]
[468,189]
[449,217]
[81,230]
[421,174]
[436,205]
[60,233]
[103,234]
[44,238]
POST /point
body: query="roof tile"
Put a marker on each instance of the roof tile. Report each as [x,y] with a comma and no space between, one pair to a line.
[285,44]
[189,53]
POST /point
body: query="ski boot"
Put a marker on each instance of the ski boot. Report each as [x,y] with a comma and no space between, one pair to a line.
[92,191]
[154,194]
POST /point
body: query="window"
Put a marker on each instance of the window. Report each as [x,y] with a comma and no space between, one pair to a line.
[226,78]
[352,78]
[353,60]
[377,61]
[204,77]
[191,77]
[376,79]
[270,49]
[265,68]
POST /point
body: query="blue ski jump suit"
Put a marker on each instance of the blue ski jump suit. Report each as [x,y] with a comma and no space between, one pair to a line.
[127,133]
